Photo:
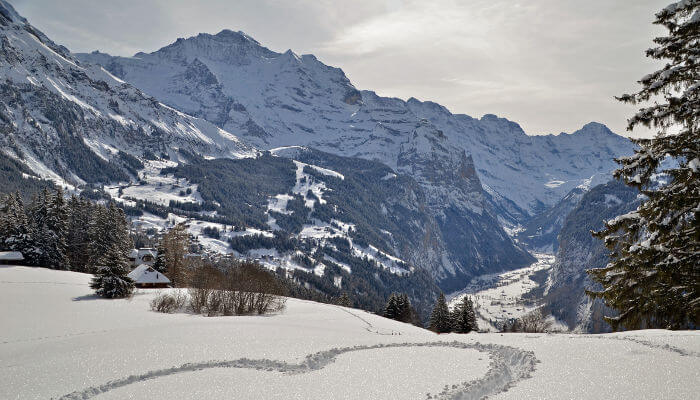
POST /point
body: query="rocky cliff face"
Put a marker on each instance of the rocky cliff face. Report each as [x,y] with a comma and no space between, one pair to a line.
[579,251]
[541,232]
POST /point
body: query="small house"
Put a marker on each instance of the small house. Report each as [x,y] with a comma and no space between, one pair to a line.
[144,276]
[11,258]
[145,255]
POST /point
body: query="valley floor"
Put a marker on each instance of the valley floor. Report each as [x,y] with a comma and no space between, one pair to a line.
[502,296]
[59,341]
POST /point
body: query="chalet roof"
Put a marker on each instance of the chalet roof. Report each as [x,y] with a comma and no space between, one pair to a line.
[11,256]
[146,274]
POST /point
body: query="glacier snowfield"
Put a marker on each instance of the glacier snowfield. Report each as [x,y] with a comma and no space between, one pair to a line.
[60,341]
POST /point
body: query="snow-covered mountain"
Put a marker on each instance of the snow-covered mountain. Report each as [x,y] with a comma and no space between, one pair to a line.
[579,250]
[273,99]
[75,122]
[541,233]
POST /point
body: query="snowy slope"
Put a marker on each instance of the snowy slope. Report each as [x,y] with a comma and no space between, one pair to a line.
[65,343]
[77,124]
[579,251]
[69,121]
[282,99]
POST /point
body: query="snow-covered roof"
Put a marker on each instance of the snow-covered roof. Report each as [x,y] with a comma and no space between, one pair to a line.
[146,274]
[147,252]
[11,256]
[133,253]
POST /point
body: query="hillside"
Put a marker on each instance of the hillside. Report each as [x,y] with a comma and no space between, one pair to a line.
[579,251]
[65,343]
[272,99]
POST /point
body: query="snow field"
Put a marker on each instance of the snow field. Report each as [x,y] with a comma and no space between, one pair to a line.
[59,341]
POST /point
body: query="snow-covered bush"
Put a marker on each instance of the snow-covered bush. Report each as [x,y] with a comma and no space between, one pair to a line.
[169,302]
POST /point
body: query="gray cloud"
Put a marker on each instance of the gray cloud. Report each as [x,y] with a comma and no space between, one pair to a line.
[550,65]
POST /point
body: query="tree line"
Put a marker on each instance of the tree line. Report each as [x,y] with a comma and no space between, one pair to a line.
[76,235]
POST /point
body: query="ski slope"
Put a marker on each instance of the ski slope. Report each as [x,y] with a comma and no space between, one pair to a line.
[59,341]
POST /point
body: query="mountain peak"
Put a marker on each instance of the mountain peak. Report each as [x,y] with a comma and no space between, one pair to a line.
[8,13]
[239,36]
[595,129]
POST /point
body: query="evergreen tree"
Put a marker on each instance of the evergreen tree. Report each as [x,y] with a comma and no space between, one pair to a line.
[391,310]
[98,232]
[111,280]
[440,319]
[15,231]
[160,263]
[49,219]
[119,229]
[344,300]
[464,318]
[77,234]
[653,278]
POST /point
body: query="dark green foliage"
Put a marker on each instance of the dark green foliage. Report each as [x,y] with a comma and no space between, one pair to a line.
[440,319]
[212,232]
[399,308]
[48,215]
[160,263]
[81,160]
[280,241]
[130,163]
[653,279]
[344,300]
[12,179]
[241,187]
[463,316]
[391,310]
[603,202]
[111,280]
[15,230]
[51,233]
[80,212]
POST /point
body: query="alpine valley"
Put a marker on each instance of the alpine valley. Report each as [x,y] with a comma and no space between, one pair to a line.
[279,158]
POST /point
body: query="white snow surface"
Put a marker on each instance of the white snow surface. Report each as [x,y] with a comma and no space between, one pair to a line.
[144,273]
[60,341]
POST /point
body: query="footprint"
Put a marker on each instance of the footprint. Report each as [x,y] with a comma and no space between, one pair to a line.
[508,365]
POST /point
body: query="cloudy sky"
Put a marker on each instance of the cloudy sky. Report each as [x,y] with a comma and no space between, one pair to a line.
[550,65]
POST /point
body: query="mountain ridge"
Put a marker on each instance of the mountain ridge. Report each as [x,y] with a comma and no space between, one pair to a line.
[273,99]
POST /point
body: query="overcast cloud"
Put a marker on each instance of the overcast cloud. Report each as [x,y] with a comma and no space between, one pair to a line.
[550,65]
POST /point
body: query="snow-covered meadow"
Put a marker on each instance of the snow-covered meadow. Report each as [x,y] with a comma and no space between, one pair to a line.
[59,341]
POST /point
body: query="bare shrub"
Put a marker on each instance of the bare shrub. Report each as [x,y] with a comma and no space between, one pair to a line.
[233,288]
[204,279]
[533,322]
[214,303]
[168,302]
[198,299]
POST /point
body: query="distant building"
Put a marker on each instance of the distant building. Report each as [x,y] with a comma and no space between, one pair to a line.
[145,276]
[11,258]
[145,255]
